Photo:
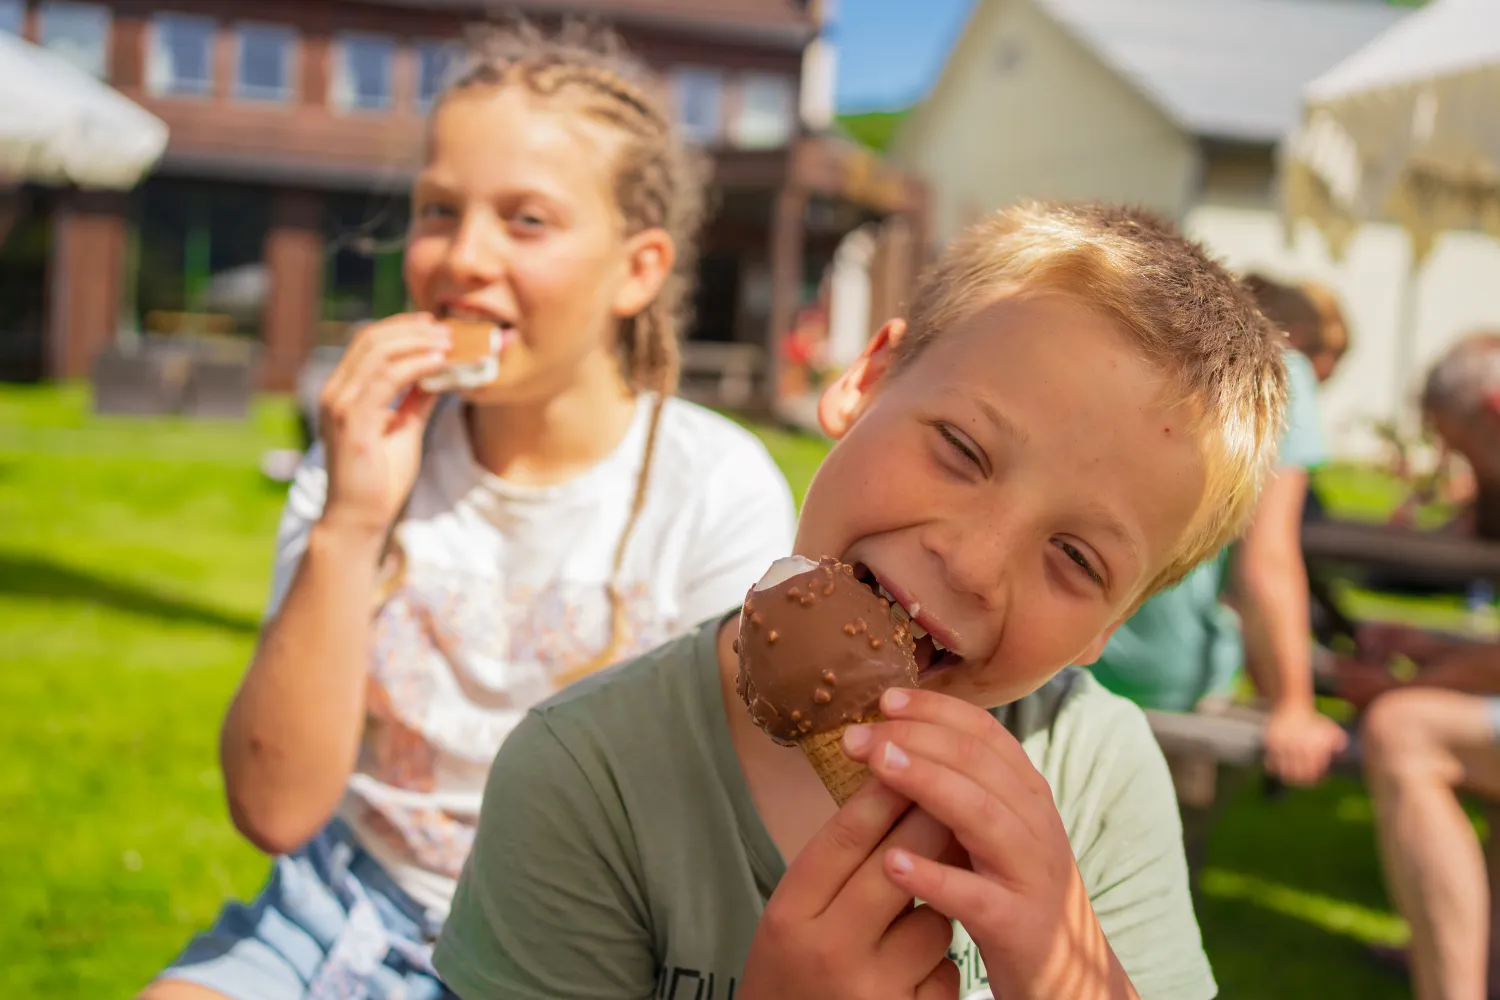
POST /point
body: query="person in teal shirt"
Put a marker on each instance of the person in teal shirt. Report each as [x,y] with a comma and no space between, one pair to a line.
[1187,645]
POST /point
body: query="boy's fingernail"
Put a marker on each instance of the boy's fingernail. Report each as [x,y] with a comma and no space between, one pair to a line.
[895,757]
[856,737]
[900,862]
[896,699]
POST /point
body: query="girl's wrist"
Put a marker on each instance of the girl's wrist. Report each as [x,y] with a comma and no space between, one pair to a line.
[347,538]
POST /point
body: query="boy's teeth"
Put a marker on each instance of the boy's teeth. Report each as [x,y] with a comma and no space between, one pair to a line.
[900,612]
[918,632]
[938,646]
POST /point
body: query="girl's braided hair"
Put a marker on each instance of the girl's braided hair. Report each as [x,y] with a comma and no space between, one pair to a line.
[659,180]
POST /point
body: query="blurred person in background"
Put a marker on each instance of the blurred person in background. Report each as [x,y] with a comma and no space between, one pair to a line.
[1461,402]
[1424,742]
[1330,339]
[445,564]
[1461,406]
[1432,731]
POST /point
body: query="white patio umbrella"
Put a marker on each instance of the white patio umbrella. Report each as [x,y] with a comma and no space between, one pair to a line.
[1406,129]
[58,125]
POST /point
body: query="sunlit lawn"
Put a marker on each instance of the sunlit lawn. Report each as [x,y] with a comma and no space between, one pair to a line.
[134,559]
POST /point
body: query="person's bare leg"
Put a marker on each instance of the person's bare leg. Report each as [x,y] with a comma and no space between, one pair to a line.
[1492,863]
[1420,745]
[176,989]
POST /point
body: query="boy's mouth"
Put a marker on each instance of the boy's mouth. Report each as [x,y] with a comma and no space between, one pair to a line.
[931,655]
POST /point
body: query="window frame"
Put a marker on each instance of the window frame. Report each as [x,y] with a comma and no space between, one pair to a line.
[339,52]
[290,88]
[103,11]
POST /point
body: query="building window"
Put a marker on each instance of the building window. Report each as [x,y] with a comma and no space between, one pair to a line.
[12,16]
[181,55]
[362,72]
[266,54]
[699,96]
[79,32]
[435,60]
[766,111]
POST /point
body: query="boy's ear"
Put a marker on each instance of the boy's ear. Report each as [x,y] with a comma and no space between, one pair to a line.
[1096,648]
[649,258]
[845,399]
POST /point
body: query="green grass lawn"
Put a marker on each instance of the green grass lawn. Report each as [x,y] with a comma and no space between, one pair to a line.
[133,566]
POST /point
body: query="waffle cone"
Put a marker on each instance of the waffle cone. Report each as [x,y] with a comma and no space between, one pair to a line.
[840,775]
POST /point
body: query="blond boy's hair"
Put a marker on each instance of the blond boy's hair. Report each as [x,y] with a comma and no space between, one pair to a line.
[1186,314]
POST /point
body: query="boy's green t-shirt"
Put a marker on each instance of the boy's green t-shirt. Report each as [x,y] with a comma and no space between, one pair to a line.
[1183,643]
[620,855]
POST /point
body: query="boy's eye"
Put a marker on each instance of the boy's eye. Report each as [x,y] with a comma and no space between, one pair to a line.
[1082,561]
[959,445]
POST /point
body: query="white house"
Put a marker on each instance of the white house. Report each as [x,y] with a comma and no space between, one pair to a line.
[1178,105]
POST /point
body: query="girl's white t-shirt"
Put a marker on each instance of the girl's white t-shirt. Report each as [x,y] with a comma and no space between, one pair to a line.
[505,590]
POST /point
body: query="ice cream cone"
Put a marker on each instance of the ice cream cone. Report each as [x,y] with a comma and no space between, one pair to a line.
[840,775]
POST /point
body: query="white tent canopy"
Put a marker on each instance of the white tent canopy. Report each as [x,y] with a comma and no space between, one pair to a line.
[60,126]
[1407,128]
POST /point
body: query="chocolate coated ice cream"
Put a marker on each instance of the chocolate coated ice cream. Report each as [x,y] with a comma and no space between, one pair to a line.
[817,649]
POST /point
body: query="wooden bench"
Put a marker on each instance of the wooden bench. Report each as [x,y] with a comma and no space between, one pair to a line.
[722,374]
[1212,754]
[144,383]
[165,376]
[219,388]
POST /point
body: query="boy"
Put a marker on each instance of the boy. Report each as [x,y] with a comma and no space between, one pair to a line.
[1080,409]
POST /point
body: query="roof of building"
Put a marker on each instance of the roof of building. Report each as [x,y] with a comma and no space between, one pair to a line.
[1224,69]
[780,22]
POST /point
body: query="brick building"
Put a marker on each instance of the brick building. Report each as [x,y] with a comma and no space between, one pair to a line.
[296,127]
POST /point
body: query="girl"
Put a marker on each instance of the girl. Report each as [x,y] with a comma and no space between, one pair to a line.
[563,516]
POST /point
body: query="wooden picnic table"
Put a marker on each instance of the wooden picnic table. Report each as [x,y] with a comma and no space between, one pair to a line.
[1436,555]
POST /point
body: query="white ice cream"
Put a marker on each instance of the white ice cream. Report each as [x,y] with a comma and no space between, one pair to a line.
[784,569]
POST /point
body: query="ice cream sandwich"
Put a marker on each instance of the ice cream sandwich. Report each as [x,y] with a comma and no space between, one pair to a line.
[473,358]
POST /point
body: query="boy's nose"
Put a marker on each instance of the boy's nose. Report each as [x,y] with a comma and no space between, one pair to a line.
[976,559]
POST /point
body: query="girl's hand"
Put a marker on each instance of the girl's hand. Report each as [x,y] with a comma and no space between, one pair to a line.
[1020,895]
[836,927]
[373,450]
